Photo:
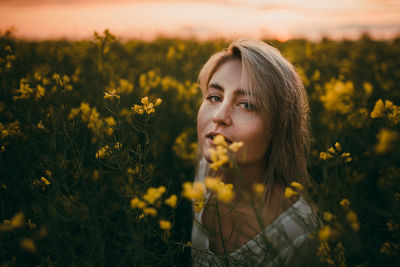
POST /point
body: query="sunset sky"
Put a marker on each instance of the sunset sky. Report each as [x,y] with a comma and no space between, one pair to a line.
[202,19]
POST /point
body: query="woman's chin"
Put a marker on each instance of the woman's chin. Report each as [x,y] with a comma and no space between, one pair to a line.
[207,157]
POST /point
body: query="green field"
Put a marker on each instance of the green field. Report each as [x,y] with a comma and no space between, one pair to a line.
[74,152]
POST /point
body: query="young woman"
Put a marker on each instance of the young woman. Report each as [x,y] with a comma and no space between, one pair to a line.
[251,94]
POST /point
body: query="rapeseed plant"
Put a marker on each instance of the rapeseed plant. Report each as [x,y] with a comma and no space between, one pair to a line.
[43,83]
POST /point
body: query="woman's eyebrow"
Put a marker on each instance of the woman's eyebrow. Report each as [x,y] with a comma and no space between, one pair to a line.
[216,86]
[220,88]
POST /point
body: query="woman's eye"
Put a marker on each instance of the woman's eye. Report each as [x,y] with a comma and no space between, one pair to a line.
[213,98]
[247,106]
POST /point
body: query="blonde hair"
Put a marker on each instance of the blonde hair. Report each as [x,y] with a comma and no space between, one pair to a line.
[278,93]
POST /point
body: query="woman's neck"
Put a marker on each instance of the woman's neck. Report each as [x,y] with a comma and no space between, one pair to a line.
[244,175]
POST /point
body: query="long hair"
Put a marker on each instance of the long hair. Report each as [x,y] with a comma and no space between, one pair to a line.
[278,93]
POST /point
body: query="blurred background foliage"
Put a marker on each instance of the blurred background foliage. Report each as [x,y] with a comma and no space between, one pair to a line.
[71,160]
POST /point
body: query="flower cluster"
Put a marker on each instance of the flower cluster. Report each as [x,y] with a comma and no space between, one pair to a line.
[327,232]
[333,151]
[111,94]
[390,248]
[224,191]
[92,117]
[122,86]
[219,155]
[351,216]
[183,148]
[150,201]
[386,139]
[386,108]
[105,151]
[196,191]
[338,96]
[25,91]
[16,222]
[62,82]
[9,58]
[258,188]
[10,129]
[331,256]
[147,107]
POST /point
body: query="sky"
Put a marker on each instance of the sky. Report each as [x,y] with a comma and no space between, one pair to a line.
[201,19]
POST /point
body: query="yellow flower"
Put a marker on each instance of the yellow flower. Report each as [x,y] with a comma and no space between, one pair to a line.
[137,203]
[212,183]
[297,186]
[153,194]
[158,102]
[349,159]
[386,139]
[145,101]
[40,125]
[394,112]
[327,216]
[289,192]
[338,96]
[379,110]
[193,191]
[149,110]
[218,157]
[17,221]
[136,108]
[258,188]
[110,121]
[338,146]
[225,193]
[45,181]
[28,245]
[171,201]
[103,152]
[234,147]
[111,94]
[132,171]
[351,216]
[355,226]
[150,211]
[219,140]
[325,156]
[3,148]
[73,113]
[165,225]
[325,233]
[118,145]
[345,203]
[40,91]
[198,205]
[331,150]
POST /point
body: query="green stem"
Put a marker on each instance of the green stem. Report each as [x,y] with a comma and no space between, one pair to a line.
[221,234]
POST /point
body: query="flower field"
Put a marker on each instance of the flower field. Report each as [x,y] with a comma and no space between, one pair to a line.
[98,147]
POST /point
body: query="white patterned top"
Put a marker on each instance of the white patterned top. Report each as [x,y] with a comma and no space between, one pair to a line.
[284,242]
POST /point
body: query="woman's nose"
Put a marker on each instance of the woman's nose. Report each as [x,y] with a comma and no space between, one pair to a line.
[223,115]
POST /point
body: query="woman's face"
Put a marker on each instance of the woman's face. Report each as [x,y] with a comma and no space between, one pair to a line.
[226,110]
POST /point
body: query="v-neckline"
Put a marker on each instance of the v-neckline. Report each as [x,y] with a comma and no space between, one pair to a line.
[252,240]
